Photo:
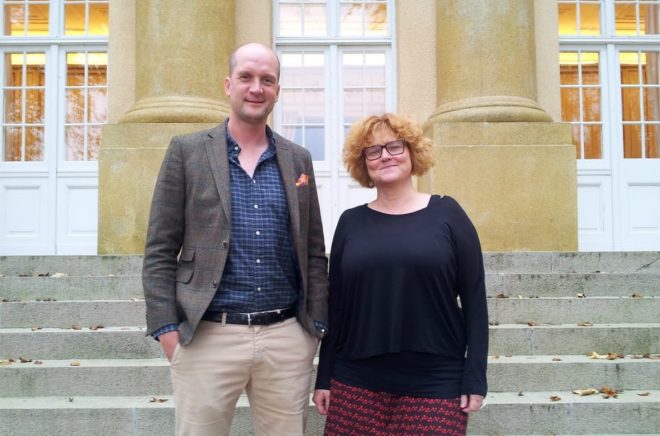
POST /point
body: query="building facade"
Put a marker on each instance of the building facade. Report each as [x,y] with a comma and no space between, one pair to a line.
[543,112]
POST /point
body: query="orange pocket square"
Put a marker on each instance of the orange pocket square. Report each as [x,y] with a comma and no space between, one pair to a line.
[302,180]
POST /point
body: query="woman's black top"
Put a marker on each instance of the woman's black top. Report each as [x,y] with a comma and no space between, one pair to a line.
[395,323]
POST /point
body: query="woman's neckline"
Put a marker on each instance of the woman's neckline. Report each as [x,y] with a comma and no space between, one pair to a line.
[426,206]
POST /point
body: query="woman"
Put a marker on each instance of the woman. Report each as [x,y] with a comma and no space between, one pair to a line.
[401,354]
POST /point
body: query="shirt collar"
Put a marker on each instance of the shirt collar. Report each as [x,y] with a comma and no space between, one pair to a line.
[233,147]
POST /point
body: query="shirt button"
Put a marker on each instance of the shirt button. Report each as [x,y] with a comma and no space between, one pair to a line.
[235,148]
[256,206]
[259,289]
[257,233]
[254,181]
[258,260]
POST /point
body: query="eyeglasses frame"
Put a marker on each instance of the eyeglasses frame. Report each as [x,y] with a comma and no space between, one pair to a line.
[386,146]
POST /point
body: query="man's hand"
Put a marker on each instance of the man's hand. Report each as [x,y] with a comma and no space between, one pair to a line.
[168,343]
[471,403]
[322,400]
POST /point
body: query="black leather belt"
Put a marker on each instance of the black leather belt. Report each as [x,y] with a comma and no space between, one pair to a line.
[254,318]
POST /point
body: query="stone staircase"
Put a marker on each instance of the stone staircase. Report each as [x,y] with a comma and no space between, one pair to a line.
[74,359]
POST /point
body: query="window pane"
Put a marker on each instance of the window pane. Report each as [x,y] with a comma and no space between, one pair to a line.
[94,135]
[97,105]
[579,17]
[353,105]
[570,104]
[376,19]
[34,144]
[74,19]
[291,103]
[351,19]
[626,19]
[314,142]
[13,140]
[630,104]
[567,18]
[568,71]
[14,20]
[648,19]
[98,19]
[652,141]
[74,138]
[589,19]
[290,20]
[590,67]
[26,18]
[314,106]
[592,141]
[97,69]
[75,106]
[35,109]
[38,19]
[314,23]
[13,106]
[577,139]
[591,104]
[651,104]
[375,101]
[632,141]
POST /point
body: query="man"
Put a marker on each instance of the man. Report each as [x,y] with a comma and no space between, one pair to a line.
[235,272]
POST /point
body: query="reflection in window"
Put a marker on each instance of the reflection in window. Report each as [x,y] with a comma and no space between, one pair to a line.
[581,101]
[86,104]
[303,18]
[579,17]
[26,17]
[86,17]
[364,84]
[636,17]
[363,18]
[24,107]
[303,100]
[640,104]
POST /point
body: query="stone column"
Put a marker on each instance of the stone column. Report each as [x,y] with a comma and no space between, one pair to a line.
[498,152]
[177,57]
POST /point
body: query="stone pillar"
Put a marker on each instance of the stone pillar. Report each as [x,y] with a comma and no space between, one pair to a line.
[177,57]
[498,152]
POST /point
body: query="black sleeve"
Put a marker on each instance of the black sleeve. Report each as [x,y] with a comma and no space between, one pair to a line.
[327,353]
[472,292]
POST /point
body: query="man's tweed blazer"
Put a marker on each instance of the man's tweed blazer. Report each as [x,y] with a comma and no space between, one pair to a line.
[190,231]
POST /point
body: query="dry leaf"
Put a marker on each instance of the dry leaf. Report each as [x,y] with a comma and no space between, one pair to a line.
[70,399]
[556,359]
[157,400]
[501,296]
[58,274]
[6,361]
[37,362]
[95,327]
[636,295]
[581,295]
[494,323]
[584,392]
[520,394]
[24,359]
[75,327]
[75,363]
[555,398]
[34,329]
[46,274]
[609,392]
[531,323]
[585,324]
[644,394]
[520,296]
[608,356]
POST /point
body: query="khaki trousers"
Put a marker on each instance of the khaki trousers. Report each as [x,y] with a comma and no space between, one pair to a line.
[273,364]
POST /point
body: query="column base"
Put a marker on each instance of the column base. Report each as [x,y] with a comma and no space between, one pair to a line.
[176,109]
[516,181]
[130,158]
[497,108]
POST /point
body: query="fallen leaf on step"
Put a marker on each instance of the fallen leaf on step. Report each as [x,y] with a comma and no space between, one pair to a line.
[75,327]
[585,392]
[34,329]
[70,399]
[6,361]
[609,392]
[520,394]
[24,359]
[532,323]
[555,398]
[46,274]
[585,324]
[95,327]
[520,296]
[494,323]
[75,363]
[581,295]
[501,296]
[556,359]
[37,362]
[644,394]
[58,274]
[608,356]
[157,400]
[636,295]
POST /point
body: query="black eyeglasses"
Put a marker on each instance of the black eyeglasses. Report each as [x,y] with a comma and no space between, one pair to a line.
[393,148]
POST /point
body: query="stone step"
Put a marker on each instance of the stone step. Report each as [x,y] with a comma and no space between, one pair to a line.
[505,339]
[505,413]
[134,377]
[516,262]
[515,310]
[13,288]
[572,284]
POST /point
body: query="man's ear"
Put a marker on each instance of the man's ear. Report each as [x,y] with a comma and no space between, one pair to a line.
[227,86]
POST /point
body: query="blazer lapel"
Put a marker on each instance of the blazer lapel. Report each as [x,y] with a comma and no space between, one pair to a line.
[287,170]
[216,150]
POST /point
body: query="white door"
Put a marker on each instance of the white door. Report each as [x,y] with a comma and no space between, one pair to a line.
[53,70]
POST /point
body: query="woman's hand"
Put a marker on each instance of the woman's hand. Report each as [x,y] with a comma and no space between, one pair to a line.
[322,400]
[471,403]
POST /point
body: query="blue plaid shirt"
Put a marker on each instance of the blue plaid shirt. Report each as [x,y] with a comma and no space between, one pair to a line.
[261,271]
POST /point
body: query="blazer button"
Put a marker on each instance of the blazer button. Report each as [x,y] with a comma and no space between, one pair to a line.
[214,284]
[224,244]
